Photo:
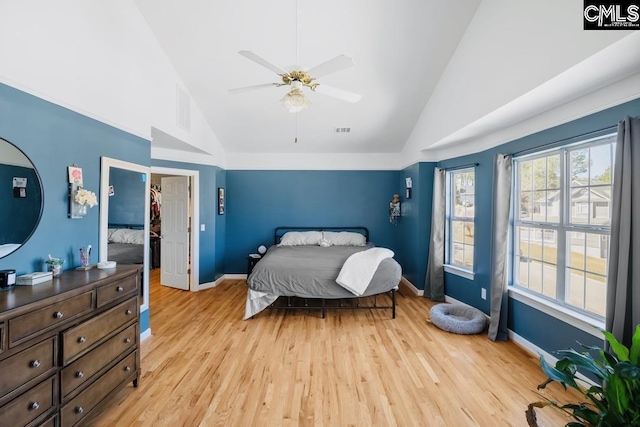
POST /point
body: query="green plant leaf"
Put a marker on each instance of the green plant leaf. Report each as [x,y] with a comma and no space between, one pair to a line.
[628,371]
[635,347]
[619,349]
[556,375]
[585,361]
[616,392]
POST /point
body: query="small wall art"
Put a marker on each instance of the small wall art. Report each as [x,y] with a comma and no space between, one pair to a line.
[220,201]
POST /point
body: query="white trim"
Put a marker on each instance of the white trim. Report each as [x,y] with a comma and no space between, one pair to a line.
[234,277]
[194,278]
[106,163]
[145,334]
[537,351]
[452,269]
[584,323]
[412,287]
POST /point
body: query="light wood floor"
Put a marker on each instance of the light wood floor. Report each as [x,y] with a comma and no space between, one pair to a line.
[206,366]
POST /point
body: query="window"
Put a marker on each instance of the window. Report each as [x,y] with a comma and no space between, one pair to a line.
[460,218]
[562,223]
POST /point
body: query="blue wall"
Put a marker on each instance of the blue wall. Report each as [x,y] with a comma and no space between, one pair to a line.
[260,201]
[126,206]
[212,239]
[415,223]
[18,215]
[526,321]
[54,138]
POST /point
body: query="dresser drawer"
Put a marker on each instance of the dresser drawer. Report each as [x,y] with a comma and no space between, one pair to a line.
[115,290]
[82,337]
[80,406]
[83,369]
[26,365]
[23,327]
[30,405]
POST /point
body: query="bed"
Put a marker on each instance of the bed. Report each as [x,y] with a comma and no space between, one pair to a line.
[125,243]
[303,271]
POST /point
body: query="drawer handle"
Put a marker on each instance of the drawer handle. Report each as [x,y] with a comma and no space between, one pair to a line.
[128,312]
[58,315]
[127,368]
[79,409]
[34,363]
[81,340]
[33,406]
[79,374]
[119,289]
[127,340]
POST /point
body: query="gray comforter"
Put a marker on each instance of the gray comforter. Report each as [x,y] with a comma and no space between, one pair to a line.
[311,272]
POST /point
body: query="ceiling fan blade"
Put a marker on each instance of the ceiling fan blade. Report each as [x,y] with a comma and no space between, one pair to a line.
[338,93]
[331,66]
[250,88]
[260,60]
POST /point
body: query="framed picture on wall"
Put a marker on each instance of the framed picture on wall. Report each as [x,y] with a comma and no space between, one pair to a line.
[220,201]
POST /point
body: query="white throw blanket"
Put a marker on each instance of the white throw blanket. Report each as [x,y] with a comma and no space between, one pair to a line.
[359,268]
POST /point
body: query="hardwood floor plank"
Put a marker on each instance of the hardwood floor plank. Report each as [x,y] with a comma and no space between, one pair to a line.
[205,366]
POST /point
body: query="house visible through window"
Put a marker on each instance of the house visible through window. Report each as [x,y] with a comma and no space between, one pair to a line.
[562,223]
[460,218]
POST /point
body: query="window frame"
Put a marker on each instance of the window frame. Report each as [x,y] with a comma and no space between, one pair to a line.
[564,229]
[449,265]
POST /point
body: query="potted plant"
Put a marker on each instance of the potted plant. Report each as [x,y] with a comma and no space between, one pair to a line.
[55,265]
[613,400]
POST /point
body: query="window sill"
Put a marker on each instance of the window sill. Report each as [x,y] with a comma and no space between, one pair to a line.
[448,268]
[578,320]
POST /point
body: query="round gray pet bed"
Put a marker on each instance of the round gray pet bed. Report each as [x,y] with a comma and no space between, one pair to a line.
[458,318]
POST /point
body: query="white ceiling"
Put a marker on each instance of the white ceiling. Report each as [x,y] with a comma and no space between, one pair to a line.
[418,63]
[399,48]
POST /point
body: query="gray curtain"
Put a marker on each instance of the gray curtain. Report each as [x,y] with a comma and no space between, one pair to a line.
[434,283]
[623,278]
[500,247]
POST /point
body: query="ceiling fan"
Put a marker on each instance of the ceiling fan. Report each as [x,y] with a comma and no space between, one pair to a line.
[299,78]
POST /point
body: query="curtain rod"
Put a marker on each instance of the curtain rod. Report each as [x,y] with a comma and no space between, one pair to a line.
[533,149]
[452,168]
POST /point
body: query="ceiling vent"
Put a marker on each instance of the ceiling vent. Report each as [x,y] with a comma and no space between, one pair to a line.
[183,109]
[343,130]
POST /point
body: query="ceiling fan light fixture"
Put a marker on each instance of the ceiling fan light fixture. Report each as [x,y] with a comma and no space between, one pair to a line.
[295,101]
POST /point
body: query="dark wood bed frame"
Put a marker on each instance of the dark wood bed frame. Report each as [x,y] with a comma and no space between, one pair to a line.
[294,303]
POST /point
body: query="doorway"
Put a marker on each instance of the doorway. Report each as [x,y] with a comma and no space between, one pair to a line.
[174,220]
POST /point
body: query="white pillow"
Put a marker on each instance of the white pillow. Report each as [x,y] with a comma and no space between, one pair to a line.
[125,235]
[345,238]
[301,238]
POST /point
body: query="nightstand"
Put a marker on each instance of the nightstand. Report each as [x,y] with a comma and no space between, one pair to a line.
[253,260]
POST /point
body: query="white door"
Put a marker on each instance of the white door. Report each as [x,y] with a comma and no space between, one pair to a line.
[174,245]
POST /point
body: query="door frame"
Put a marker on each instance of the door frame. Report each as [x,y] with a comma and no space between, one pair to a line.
[194,276]
[106,163]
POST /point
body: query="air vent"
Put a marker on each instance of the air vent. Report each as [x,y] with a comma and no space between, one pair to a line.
[343,130]
[183,109]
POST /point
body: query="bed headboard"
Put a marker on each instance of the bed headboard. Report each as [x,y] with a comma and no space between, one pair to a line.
[129,226]
[280,231]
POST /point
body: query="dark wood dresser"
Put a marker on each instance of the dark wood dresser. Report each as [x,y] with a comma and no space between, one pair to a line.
[67,346]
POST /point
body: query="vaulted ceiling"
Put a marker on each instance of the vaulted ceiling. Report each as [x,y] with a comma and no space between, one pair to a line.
[431,72]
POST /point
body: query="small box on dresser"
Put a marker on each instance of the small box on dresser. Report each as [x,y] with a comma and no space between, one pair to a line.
[70,345]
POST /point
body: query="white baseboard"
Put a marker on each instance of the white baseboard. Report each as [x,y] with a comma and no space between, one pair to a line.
[145,334]
[411,287]
[220,279]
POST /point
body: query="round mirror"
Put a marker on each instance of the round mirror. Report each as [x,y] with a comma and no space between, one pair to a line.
[21,198]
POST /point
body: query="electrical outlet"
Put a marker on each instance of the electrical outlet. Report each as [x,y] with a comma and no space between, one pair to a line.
[201,227]
[483,293]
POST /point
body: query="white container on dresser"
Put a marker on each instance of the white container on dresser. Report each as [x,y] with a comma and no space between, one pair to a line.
[67,346]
